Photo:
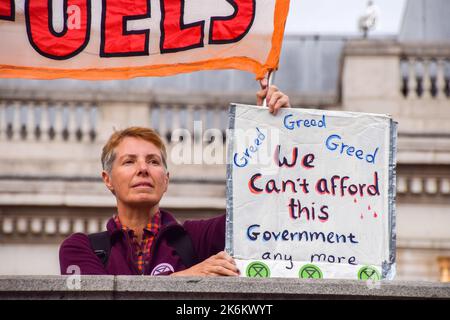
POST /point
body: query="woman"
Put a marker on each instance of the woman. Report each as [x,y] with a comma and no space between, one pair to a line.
[142,239]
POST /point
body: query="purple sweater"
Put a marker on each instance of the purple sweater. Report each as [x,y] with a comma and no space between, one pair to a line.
[208,238]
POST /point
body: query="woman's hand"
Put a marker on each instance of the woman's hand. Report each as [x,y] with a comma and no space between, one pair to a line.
[221,264]
[274,97]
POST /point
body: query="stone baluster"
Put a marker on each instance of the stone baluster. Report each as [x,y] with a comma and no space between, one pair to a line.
[198,125]
[162,125]
[92,225]
[420,73]
[103,223]
[12,120]
[78,225]
[22,225]
[181,137]
[209,125]
[66,121]
[2,119]
[80,123]
[431,186]
[75,123]
[402,185]
[203,118]
[8,225]
[190,110]
[404,75]
[176,122]
[199,129]
[426,79]
[34,108]
[50,226]
[155,114]
[51,120]
[88,118]
[416,185]
[224,122]
[183,117]
[36,227]
[36,132]
[59,121]
[64,226]
[445,186]
[411,85]
[21,119]
[44,123]
[168,121]
[93,125]
[440,80]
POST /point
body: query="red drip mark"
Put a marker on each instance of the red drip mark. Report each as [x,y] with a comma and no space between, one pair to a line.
[362,217]
[375,215]
[355,201]
[368,208]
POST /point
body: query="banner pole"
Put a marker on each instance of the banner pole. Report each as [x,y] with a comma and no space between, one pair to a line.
[270,77]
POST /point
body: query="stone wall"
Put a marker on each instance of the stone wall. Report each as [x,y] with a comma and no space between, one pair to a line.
[138,287]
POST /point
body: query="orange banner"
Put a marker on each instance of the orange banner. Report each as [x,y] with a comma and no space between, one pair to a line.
[121,39]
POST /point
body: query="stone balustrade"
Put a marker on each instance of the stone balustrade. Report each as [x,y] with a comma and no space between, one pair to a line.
[414,185]
[78,121]
[425,71]
[47,121]
[139,287]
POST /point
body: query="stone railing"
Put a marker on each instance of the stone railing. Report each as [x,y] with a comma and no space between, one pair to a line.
[425,71]
[47,120]
[61,140]
[129,287]
[411,82]
[418,70]
[427,185]
[79,121]
[47,227]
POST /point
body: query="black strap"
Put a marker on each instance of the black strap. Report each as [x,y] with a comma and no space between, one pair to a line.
[182,243]
[101,244]
[179,239]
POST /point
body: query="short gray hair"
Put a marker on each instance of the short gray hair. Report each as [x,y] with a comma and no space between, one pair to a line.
[147,134]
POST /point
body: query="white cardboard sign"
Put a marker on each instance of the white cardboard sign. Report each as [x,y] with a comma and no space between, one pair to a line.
[311,193]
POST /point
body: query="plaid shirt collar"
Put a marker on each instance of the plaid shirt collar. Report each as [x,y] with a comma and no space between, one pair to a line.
[142,250]
[152,226]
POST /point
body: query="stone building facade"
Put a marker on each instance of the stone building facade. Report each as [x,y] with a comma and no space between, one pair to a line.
[52,132]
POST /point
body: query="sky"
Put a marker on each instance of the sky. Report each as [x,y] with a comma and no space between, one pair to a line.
[341,16]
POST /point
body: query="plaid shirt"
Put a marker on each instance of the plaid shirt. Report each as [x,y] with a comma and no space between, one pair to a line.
[142,250]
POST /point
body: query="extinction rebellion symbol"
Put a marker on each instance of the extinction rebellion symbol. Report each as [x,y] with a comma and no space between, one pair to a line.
[162,268]
[310,271]
[368,273]
[258,270]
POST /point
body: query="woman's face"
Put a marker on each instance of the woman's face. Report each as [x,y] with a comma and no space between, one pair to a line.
[138,177]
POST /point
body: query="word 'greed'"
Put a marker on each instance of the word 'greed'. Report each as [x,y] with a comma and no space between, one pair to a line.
[116,39]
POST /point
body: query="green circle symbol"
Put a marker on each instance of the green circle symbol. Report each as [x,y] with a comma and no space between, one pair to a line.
[368,273]
[310,271]
[258,270]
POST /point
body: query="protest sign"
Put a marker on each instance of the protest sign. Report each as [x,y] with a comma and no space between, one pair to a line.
[119,39]
[311,193]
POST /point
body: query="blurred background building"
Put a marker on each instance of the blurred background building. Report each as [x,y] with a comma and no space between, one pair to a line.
[51,134]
